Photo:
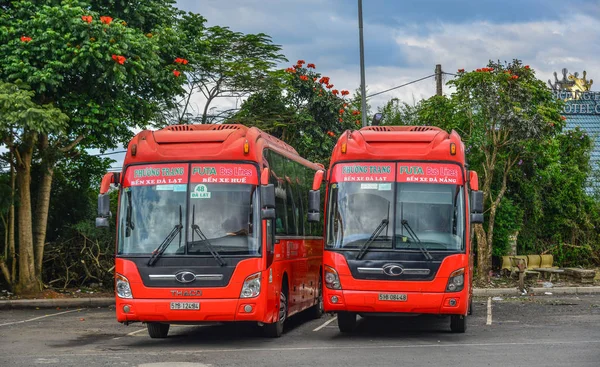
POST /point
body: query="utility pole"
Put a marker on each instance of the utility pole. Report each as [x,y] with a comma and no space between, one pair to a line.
[438,79]
[362,67]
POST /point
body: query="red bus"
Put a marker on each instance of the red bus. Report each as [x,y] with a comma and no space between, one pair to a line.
[399,208]
[212,226]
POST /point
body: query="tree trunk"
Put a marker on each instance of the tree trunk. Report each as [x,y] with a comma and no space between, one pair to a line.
[42,207]
[27,278]
[11,221]
[484,251]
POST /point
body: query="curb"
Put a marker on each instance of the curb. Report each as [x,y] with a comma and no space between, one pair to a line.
[107,302]
[57,302]
[496,292]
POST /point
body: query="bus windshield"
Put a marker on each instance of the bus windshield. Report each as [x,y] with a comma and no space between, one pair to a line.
[433,214]
[223,214]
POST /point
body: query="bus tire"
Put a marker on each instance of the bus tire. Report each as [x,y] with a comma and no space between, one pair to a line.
[157,330]
[458,323]
[316,311]
[274,330]
[346,321]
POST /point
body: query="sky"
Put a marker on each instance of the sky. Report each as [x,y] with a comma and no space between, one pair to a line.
[404,40]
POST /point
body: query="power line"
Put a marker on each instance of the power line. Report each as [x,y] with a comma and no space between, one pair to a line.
[443,72]
[400,86]
[111,153]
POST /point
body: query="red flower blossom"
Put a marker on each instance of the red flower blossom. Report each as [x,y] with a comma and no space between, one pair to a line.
[106,20]
[342,111]
[311,66]
[324,80]
[315,79]
[301,62]
[357,122]
[341,119]
[356,113]
[515,77]
[179,60]
[345,93]
[461,70]
[119,59]
[335,92]
[297,66]
[290,70]
[329,86]
[25,39]
[87,18]
[478,70]
[330,133]
[176,73]
[303,77]
[526,66]
[345,105]
[563,118]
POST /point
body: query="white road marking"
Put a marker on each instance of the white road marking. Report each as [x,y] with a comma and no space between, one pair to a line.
[40,317]
[325,324]
[135,332]
[489,311]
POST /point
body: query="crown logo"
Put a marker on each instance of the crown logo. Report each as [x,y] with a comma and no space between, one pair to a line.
[571,82]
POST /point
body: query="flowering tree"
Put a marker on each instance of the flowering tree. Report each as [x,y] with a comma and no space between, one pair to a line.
[102,74]
[303,108]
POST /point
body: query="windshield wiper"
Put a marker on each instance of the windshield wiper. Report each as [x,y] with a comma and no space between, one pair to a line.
[128,222]
[375,234]
[196,229]
[417,240]
[167,241]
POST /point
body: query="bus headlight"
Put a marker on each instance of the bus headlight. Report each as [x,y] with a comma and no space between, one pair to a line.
[251,287]
[122,287]
[456,281]
[332,280]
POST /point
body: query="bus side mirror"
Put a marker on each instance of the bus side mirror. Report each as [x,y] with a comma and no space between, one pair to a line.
[477,202]
[103,210]
[314,202]
[267,197]
[476,206]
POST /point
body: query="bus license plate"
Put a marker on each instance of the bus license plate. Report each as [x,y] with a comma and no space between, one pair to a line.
[185,306]
[392,297]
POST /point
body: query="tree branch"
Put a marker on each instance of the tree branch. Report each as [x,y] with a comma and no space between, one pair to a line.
[73,144]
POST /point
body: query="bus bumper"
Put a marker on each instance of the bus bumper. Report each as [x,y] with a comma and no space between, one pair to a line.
[210,310]
[456,303]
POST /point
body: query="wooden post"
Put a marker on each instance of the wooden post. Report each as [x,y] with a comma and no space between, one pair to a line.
[438,79]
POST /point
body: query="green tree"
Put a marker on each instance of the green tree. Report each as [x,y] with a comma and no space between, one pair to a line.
[220,63]
[105,75]
[303,108]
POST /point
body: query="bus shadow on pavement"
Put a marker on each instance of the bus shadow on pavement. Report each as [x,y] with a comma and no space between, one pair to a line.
[403,326]
[223,335]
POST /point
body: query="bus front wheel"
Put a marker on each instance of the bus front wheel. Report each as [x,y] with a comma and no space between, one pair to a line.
[274,330]
[346,321]
[458,323]
[157,330]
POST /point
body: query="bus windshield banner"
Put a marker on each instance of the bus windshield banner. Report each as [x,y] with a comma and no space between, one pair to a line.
[439,173]
[156,174]
[228,173]
[364,172]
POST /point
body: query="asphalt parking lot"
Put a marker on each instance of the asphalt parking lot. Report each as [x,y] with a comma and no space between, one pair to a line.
[538,331]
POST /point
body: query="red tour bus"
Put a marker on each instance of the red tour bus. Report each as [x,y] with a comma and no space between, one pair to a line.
[399,208]
[213,226]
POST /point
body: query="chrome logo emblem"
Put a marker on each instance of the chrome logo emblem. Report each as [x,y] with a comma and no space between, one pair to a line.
[392,270]
[185,277]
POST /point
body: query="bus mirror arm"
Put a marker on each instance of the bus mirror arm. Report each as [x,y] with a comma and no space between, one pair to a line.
[314,201]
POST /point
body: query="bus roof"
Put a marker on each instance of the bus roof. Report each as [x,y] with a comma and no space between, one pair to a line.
[219,142]
[427,143]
